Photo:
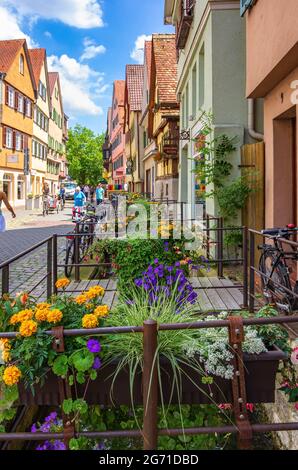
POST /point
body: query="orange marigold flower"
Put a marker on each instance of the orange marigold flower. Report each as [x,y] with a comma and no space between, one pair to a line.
[101,311]
[5,356]
[11,375]
[54,316]
[43,306]
[62,283]
[81,299]
[23,315]
[95,291]
[24,297]
[41,314]
[5,343]
[28,328]
[89,321]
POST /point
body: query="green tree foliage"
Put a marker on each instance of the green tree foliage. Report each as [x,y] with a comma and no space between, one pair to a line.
[84,154]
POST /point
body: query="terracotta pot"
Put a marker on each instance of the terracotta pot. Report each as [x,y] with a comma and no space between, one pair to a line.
[260,370]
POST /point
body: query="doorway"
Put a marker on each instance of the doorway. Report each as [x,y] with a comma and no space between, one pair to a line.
[285,169]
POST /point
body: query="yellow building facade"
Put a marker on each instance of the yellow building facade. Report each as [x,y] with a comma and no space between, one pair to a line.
[17,96]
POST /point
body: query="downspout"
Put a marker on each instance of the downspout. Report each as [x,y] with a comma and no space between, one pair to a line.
[251,121]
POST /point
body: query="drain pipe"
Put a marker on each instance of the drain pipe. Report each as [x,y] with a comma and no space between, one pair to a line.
[251,121]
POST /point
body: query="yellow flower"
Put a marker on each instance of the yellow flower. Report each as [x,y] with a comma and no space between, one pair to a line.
[54,316]
[89,321]
[62,283]
[101,311]
[43,306]
[95,291]
[5,347]
[89,306]
[81,299]
[41,314]
[28,328]
[4,343]
[23,315]
[11,375]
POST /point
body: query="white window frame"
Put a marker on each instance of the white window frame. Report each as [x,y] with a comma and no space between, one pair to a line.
[28,108]
[18,141]
[8,138]
[21,103]
[11,93]
[21,64]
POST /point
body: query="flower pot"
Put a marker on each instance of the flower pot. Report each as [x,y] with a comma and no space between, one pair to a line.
[36,202]
[260,371]
[29,204]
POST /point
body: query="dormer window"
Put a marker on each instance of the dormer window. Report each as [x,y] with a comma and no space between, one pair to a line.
[21,64]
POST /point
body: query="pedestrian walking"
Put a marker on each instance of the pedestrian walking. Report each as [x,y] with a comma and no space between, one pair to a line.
[86,191]
[79,203]
[100,192]
[3,198]
[62,196]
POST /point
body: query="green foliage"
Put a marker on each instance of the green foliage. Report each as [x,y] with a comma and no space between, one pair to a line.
[233,238]
[84,154]
[233,197]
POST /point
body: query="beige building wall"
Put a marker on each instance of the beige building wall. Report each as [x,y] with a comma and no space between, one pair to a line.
[56,145]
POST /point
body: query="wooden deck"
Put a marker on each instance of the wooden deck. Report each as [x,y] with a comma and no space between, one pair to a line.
[214,294]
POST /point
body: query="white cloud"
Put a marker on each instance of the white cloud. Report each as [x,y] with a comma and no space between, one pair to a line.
[48,34]
[10,27]
[78,82]
[91,49]
[78,13]
[138,52]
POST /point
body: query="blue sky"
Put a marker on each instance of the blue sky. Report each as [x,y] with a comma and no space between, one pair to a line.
[88,42]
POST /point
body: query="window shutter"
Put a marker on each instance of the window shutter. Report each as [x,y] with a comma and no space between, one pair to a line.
[25,142]
[16,100]
[30,109]
[6,94]
[4,137]
[14,138]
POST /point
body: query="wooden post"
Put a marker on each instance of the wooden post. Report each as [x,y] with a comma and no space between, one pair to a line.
[150,385]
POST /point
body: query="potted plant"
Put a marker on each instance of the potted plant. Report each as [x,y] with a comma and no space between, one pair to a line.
[29,202]
[37,201]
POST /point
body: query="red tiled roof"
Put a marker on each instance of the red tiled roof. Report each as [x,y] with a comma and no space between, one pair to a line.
[165,66]
[53,76]
[134,84]
[37,57]
[119,91]
[148,56]
[8,52]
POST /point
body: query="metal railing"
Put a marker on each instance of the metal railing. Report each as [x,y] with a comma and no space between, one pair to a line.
[150,432]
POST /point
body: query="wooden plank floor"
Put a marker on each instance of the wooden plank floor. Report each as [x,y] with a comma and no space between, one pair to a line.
[214,294]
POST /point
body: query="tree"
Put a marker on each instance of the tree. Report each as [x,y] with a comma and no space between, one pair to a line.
[84,155]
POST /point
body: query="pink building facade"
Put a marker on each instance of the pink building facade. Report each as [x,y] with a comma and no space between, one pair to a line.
[272,74]
[116,135]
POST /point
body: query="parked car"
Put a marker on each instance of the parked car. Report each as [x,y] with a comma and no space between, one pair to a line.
[69,190]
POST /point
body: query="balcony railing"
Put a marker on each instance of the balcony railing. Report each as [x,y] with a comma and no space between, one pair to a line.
[184,25]
[170,145]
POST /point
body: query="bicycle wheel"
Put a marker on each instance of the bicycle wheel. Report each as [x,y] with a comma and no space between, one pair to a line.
[69,260]
[275,278]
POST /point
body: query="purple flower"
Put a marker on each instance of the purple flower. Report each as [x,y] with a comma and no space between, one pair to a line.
[94,346]
[177,264]
[170,268]
[156,261]
[34,428]
[96,364]
[45,427]
[59,445]
[52,417]
[166,246]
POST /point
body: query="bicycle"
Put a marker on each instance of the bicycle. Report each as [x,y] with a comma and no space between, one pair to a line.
[85,234]
[275,270]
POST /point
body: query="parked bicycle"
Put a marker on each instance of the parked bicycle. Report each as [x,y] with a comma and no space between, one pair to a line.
[276,270]
[84,232]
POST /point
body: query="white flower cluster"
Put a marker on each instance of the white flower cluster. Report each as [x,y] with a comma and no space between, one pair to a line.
[212,347]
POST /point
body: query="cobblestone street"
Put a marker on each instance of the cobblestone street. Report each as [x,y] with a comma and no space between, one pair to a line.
[26,272]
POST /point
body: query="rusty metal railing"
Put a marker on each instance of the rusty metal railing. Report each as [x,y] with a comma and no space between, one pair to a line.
[150,432]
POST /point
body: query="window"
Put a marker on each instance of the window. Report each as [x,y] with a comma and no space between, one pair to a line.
[42,90]
[145,139]
[202,77]
[35,114]
[21,64]
[10,97]
[28,108]
[194,91]
[21,104]
[19,139]
[8,141]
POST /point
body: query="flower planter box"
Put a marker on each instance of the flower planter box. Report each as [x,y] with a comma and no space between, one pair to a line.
[260,373]
[37,202]
[29,204]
